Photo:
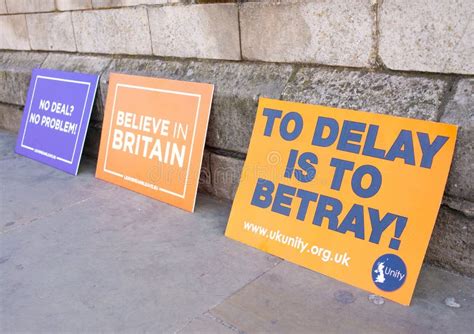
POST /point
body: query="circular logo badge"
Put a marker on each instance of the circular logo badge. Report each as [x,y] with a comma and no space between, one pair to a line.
[389,272]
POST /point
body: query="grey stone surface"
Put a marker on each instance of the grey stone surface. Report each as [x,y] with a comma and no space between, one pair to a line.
[225,173]
[85,64]
[123,3]
[460,111]
[145,67]
[30,6]
[10,117]
[123,30]
[290,299]
[15,74]
[452,244]
[197,31]
[14,33]
[51,31]
[335,32]
[432,36]
[406,96]
[43,190]
[73,4]
[93,257]
[237,87]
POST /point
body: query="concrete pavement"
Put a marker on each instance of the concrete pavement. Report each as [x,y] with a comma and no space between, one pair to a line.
[80,255]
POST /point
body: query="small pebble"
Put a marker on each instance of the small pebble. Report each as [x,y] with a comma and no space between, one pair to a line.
[377,300]
[451,302]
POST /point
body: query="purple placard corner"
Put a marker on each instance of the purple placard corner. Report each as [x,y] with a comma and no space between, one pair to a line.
[56,116]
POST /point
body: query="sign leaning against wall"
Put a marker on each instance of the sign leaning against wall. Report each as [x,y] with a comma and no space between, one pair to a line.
[350,194]
[57,113]
[153,136]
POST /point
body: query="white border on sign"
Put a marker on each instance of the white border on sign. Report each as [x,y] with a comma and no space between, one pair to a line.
[192,140]
[50,155]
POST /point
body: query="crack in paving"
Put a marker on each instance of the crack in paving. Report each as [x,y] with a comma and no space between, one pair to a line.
[211,316]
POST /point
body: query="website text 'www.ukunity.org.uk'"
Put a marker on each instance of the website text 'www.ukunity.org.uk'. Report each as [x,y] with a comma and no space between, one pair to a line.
[297,243]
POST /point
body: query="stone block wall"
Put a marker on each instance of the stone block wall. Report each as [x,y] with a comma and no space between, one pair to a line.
[409,58]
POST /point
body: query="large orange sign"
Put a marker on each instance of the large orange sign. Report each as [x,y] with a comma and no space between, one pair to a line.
[353,195]
[153,136]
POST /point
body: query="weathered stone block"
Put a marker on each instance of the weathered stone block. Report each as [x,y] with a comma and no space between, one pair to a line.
[73,4]
[237,89]
[463,206]
[205,179]
[414,97]
[146,67]
[91,145]
[124,3]
[432,36]
[10,117]
[460,111]
[15,74]
[452,245]
[14,33]
[225,172]
[30,6]
[76,63]
[123,30]
[334,32]
[201,31]
[86,64]
[51,31]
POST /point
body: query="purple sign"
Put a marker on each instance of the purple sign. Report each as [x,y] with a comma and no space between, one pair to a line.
[56,116]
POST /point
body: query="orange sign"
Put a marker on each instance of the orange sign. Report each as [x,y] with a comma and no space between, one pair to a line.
[153,137]
[353,195]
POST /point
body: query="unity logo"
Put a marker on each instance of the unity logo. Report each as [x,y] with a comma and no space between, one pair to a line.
[389,272]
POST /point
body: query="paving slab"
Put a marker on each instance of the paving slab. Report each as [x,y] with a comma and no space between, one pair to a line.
[91,257]
[80,255]
[291,299]
[31,190]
